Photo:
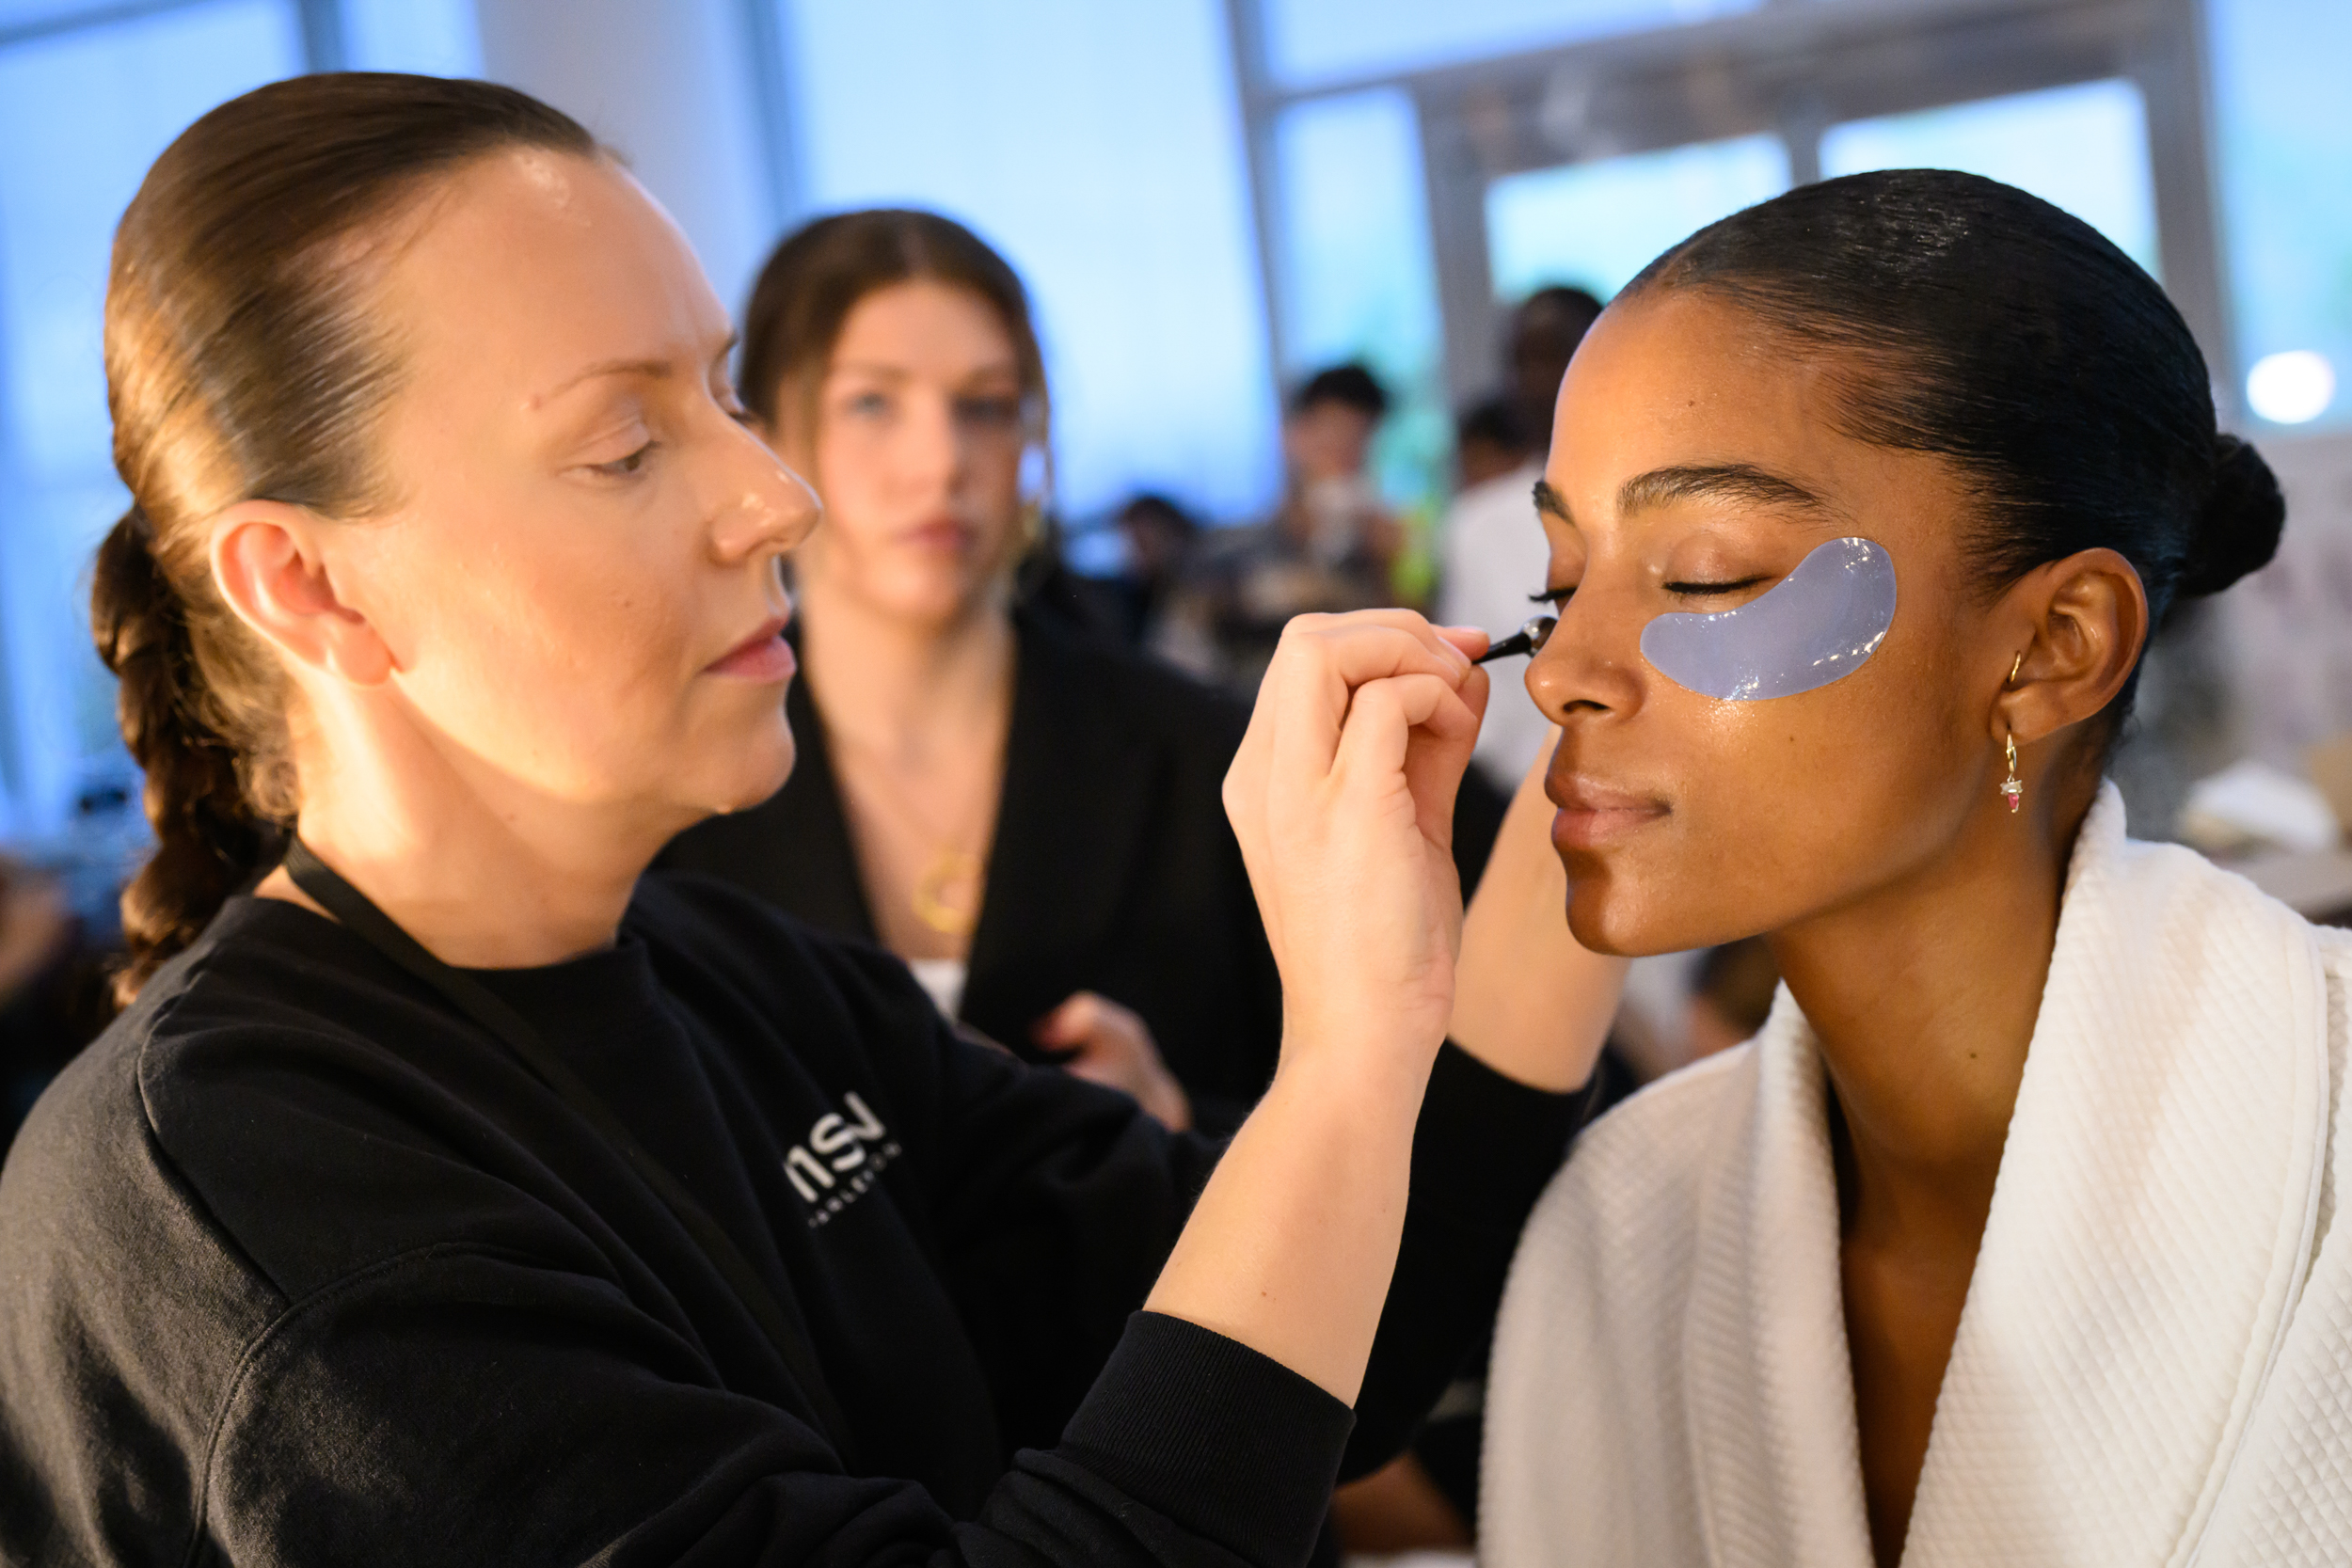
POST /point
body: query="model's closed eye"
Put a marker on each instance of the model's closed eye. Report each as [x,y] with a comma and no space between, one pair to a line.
[1688,588]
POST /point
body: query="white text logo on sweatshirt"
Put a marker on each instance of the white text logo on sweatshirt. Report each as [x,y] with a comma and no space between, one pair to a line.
[839,1159]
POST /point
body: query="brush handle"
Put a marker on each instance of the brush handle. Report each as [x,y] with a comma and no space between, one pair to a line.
[1525,641]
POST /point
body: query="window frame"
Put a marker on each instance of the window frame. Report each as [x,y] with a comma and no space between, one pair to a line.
[1793,68]
[24,819]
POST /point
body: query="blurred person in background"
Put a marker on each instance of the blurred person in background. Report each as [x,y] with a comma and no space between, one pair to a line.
[1330,545]
[1158,537]
[52,988]
[1491,440]
[1494,556]
[1544,333]
[1029,818]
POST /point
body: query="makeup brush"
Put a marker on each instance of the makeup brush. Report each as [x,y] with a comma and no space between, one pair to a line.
[1525,641]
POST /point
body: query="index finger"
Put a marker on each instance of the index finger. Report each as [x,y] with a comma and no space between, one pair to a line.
[1321,662]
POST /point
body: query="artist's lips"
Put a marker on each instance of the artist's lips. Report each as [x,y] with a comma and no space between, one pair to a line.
[764,656]
[1593,815]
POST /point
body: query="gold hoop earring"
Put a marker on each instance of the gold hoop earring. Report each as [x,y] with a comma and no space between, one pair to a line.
[2016,664]
[2013,787]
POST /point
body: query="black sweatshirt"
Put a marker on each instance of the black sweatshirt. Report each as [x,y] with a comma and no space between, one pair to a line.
[298,1265]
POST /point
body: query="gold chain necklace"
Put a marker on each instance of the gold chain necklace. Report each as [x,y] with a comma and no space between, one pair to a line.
[951,868]
[928,898]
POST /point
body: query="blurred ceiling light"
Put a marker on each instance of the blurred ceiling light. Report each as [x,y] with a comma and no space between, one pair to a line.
[2293,388]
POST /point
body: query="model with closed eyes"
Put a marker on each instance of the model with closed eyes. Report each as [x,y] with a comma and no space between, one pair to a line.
[2007,1238]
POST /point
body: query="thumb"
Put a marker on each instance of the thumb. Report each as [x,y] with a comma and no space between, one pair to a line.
[1072,1024]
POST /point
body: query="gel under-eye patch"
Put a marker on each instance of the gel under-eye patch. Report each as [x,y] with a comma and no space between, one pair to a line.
[1815,625]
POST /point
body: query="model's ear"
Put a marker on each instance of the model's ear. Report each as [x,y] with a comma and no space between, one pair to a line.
[2085,621]
[269,567]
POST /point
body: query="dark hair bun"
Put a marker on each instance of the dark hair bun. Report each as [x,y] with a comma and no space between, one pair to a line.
[2237,530]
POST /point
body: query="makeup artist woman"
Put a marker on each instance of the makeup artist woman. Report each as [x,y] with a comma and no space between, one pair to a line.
[451,1195]
[1029,819]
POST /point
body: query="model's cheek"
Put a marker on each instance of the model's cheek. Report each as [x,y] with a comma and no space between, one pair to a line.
[1818,624]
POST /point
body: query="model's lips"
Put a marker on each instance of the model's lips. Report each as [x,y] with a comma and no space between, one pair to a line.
[1593,813]
[764,656]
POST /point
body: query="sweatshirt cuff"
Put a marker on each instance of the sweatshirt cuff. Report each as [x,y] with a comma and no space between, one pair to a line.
[1487,1145]
[1212,1434]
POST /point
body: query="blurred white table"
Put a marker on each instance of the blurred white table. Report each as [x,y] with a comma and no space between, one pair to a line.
[2316,883]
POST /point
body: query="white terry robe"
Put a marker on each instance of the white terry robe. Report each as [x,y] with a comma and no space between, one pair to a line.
[2155,1362]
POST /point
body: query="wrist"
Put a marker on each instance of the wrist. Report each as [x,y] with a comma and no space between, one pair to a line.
[1343,1077]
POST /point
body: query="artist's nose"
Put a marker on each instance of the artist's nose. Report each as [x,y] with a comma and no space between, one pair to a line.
[764,508]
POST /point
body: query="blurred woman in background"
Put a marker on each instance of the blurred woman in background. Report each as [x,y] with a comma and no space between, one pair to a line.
[1029,818]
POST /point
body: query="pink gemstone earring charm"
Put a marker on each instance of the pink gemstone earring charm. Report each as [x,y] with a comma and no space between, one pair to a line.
[2013,787]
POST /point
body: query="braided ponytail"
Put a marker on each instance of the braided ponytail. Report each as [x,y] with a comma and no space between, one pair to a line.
[242,363]
[207,838]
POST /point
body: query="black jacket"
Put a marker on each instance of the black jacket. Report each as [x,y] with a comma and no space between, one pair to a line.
[1113,868]
[298,1265]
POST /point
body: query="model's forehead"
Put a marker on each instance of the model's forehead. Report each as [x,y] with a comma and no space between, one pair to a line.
[1693,360]
[1684,379]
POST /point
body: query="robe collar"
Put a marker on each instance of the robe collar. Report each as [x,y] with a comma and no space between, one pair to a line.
[2152,1228]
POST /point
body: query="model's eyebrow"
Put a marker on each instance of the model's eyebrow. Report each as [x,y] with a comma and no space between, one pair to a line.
[1548,499]
[651,370]
[1726,480]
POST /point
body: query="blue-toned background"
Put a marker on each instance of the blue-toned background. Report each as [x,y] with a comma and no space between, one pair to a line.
[1209,199]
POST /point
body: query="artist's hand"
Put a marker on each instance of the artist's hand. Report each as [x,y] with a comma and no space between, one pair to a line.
[1529,1000]
[1109,1044]
[1342,796]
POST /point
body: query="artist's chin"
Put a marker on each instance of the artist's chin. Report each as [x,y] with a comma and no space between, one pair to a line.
[758,766]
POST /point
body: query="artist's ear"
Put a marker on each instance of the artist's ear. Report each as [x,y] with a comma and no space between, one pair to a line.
[270,567]
[2081,623]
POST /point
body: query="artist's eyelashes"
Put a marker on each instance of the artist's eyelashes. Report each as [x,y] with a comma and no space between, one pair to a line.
[1702,590]
[625,467]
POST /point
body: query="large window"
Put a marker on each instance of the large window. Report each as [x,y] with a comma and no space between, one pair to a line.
[1356,279]
[1594,225]
[100,102]
[1211,197]
[1098,148]
[88,96]
[2285,142]
[1313,42]
[2083,148]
